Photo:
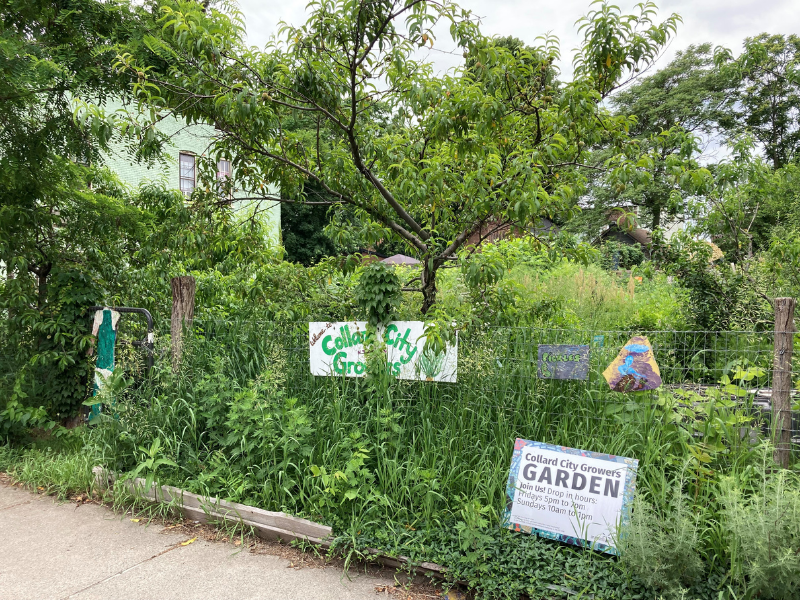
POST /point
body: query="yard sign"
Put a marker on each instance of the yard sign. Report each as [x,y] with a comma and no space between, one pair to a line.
[570,495]
[337,349]
[563,362]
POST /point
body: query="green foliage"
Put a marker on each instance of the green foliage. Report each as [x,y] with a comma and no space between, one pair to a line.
[617,46]
[49,333]
[765,534]
[302,233]
[303,227]
[783,262]
[64,223]
[352,483]
[378,293]
[721,297]
[672,107]
[767,95]
[60,469]
[16,421]
[757,513]
[662,544]
[149,462]
[501,131]
[616,255]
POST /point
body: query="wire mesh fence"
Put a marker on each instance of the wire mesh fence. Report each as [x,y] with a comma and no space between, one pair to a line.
[497,376]
[498,379]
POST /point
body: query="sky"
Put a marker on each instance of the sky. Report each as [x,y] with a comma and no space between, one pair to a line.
[721,22]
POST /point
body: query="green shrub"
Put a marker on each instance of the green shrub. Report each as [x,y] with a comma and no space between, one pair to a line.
[661,545]
[616,255]
[764,530]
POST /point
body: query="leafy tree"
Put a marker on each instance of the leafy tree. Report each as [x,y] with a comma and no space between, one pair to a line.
[673,107]
[63,222]
[425,159]
[673,111]
[742,203]
[768,96]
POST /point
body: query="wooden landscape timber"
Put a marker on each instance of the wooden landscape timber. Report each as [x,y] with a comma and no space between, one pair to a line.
[268,525]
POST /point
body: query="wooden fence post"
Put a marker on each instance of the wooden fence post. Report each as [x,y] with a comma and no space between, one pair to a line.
[183,289]
[782,380]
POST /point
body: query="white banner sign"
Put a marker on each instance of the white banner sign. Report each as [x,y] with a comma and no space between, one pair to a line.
[337,349]
[571,495]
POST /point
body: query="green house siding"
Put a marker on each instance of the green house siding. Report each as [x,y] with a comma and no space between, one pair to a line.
[190,139]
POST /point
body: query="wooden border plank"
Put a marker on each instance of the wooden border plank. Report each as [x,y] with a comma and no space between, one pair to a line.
[268,525]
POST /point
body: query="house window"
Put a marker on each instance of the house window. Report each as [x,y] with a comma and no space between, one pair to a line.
[223,169]
[187,173]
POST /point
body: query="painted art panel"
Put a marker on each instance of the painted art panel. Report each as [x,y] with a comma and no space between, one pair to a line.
[563,361]
[105,330]
[635,368]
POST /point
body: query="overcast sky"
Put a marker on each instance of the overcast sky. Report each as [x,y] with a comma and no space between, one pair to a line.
[721,22]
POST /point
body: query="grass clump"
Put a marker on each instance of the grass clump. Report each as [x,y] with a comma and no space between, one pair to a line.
[59,471]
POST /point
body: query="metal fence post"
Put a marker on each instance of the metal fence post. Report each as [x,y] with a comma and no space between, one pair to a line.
[782,380]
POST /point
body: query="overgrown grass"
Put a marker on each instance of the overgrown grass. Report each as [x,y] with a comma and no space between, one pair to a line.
[61,471]
[420,468]
[566,295]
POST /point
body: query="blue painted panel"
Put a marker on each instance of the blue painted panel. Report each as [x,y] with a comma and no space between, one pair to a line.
[563,362]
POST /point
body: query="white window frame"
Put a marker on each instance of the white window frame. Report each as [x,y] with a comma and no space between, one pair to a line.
[181,178]
[223,174]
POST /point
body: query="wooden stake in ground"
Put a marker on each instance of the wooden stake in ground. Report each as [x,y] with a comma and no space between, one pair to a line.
[183,289]
[782,380]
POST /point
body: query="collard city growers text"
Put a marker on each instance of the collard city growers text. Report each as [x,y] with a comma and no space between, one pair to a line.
[565,473]
[333,346]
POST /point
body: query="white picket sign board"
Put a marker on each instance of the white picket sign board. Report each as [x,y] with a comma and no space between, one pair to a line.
[337,349]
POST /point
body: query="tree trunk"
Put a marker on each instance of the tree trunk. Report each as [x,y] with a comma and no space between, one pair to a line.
[183,289]
[656,217]
[42,273]
[428,288]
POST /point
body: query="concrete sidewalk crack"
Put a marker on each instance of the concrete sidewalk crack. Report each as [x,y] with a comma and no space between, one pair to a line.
[17,504]
[123,571]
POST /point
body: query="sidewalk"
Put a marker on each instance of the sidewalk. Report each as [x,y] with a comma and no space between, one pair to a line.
[60,551]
